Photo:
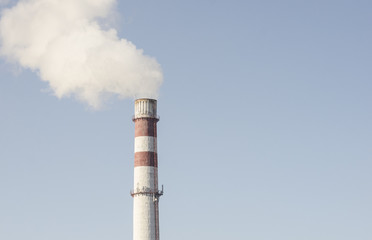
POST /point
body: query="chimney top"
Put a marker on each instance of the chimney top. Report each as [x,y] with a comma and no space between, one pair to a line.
[145,108]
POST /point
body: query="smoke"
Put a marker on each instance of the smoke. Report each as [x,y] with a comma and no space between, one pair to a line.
[65,43]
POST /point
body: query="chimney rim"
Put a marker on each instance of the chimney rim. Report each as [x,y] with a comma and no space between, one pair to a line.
[150,99]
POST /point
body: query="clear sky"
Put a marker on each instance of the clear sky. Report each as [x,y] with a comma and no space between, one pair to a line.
[265,130]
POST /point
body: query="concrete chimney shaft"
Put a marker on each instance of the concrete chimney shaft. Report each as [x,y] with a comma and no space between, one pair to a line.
[146,192]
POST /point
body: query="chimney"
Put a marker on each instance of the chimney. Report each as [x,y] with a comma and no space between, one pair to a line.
[146,192]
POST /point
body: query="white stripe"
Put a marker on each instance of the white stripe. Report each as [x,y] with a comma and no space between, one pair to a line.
[143,205]
[144,218]
[145,177]
[145,144]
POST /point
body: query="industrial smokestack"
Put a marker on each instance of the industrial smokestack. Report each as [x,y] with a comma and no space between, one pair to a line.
[146,192]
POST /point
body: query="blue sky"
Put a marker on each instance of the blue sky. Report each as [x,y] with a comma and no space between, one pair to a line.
[265,129]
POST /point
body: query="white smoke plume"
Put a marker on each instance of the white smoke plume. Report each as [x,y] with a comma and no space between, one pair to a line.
[64,43]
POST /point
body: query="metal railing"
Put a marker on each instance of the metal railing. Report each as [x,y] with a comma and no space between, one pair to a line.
[157,117]
[148,192]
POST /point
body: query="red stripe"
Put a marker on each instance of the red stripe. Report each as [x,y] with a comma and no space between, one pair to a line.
[145,127]
[149,159]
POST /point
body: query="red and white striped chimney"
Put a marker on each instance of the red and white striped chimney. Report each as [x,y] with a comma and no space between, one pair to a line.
[146,192]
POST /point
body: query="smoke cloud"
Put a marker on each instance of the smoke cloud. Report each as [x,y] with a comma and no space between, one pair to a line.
[65,44]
